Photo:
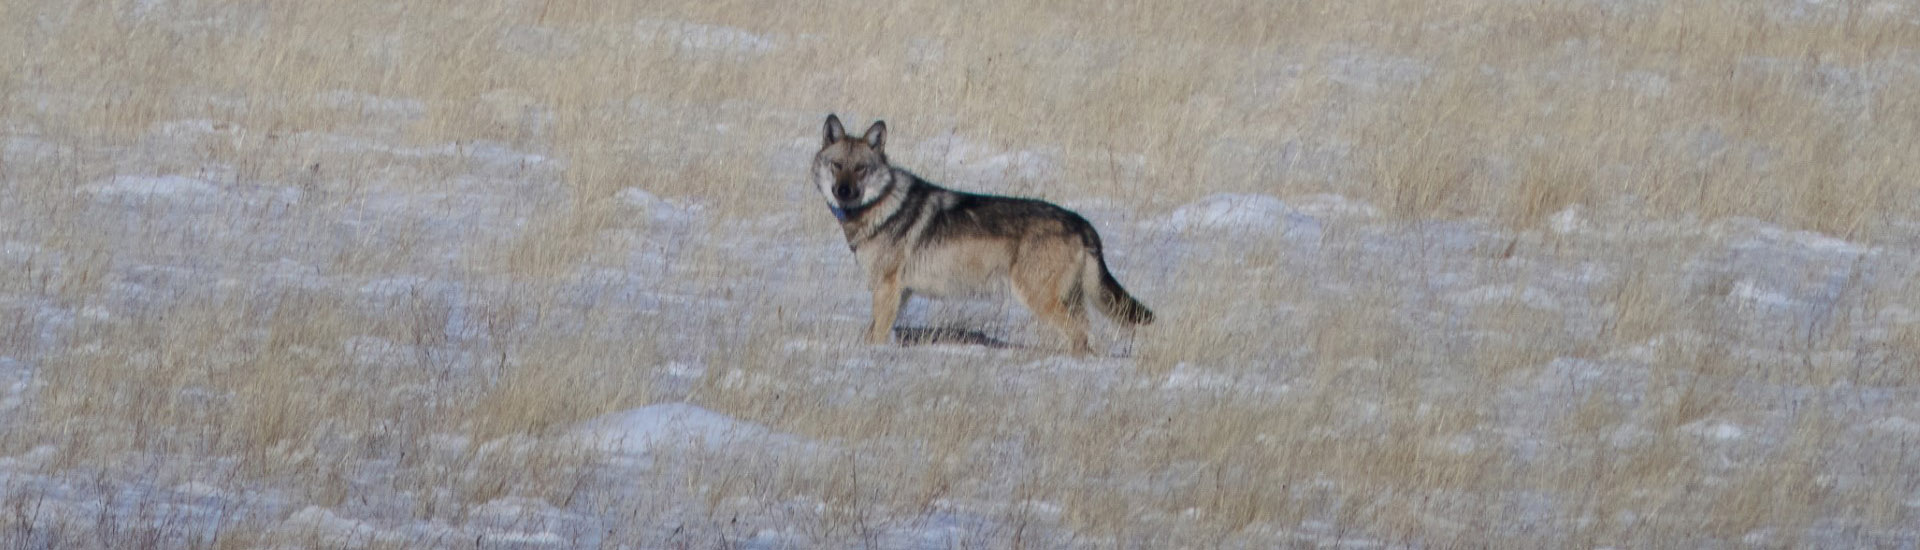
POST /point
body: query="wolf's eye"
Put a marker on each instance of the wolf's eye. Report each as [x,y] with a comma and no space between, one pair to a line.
[836,166]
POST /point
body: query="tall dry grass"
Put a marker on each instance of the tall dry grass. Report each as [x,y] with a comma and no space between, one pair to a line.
[444,365]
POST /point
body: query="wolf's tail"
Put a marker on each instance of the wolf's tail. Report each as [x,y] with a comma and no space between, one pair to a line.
[1110,297]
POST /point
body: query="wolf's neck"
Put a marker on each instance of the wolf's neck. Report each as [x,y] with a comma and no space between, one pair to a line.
[863,222]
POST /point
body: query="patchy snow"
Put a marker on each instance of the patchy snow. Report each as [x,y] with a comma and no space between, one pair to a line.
[1714,429]
[1567,221]
[396,109]
[376,351]
[28,460]
[973,166]
[399,287]
[1811,240]
[192,128]
[1895,425]
[1327,205]
[1186,376]
[639,431]
[1368,72]
[1498,294]
[199,490]
[658,208]
[513,538]
[1239,212]
[402,236]
[1230,210]
[1018,165]
[331,529]
[1752,292]
[703,37]
[152,187]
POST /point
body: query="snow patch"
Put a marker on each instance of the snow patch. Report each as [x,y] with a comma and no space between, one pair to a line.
[191,128]
[1628,435]
[199,490]
[538,41]
[142,7]
[370,104]
[638,431]
[1529,296]
[23,149]
[449,443]
[510,507]
[1040,509]
[969,160]
[397,287]
[1759,235]
[332,529]
[1567,221]
[510,538]
[1066,363]
[18,250]
[295,274]
[1811,240]
[1026,165]
[1896,425]
[1328,205]
[1644,352]
[151,187]
[1238,211]
[1185,376]
[1898,315]
[28,460]
[1718,430]
[701,37]
[1645,83]
[658,208]
[677,369]
[1746,289]
[1373,72]
[499,156]
[1461,444]
[374,351]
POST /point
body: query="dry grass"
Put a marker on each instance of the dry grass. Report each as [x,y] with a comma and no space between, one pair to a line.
[472,309]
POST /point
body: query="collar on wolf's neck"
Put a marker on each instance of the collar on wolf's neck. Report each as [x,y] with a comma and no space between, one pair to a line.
[846,214]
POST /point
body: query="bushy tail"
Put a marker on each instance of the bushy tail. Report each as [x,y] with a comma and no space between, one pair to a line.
[1111,299]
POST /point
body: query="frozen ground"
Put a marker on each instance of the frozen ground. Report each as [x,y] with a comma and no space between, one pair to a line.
[193,235]
[341,329]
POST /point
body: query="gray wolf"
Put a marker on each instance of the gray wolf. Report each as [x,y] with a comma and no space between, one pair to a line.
[914,237]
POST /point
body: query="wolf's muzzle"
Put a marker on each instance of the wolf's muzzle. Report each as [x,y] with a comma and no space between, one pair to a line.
[846,191]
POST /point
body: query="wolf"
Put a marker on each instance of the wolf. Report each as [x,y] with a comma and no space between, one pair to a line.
[914,237]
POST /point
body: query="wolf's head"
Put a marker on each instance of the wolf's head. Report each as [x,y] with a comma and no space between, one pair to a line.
[852,171]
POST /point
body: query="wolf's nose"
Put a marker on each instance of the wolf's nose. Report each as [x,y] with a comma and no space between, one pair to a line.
[845,192]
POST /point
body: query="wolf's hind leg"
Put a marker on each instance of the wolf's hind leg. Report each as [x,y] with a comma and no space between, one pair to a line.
[1052,290]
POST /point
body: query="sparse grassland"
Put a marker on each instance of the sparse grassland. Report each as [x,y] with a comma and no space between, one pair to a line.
[1539,274]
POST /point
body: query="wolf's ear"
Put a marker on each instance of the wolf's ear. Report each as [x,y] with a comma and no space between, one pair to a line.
[876,135]
[834,131]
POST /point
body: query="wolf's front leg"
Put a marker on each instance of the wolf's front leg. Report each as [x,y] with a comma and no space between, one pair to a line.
[887,297]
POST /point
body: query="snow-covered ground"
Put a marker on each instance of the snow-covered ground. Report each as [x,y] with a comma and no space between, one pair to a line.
[351,333]
[1765,299]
